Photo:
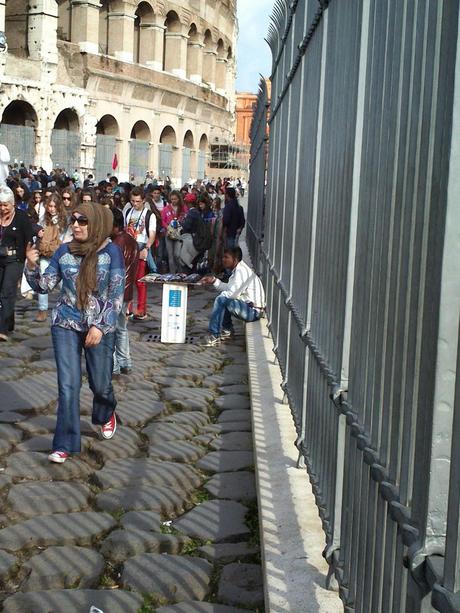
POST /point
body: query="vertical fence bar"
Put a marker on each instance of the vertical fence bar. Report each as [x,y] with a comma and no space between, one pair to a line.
[356,267]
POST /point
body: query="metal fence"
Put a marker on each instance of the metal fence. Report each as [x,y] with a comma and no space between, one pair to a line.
[65,149]
[356,234]
[106,147]
[20,141]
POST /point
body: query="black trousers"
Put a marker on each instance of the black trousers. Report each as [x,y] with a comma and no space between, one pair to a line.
[10,274]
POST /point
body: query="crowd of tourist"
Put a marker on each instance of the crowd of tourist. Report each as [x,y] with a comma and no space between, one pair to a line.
[175,231]
[96,243]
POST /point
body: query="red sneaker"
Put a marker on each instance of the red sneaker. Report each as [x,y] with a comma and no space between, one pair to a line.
[58,456]
[108,429]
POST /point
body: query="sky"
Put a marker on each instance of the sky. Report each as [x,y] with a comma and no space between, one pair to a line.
[253,54]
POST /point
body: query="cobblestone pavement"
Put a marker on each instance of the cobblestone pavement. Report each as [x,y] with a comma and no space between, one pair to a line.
[163,513]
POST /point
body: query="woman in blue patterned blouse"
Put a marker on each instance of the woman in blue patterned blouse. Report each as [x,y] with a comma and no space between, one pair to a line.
[91,269]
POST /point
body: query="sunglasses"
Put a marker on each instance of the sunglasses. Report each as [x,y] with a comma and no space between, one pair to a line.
[66,197]
[81,221]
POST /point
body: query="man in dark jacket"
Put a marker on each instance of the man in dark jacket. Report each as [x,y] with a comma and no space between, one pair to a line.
[233,219]
[122,358]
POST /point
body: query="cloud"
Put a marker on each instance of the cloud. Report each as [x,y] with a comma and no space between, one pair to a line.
[253,53]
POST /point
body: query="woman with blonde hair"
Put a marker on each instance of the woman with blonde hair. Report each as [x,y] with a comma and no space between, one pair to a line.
[52,235]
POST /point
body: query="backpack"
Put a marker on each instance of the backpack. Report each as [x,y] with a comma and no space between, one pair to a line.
[50,241]
[202,238]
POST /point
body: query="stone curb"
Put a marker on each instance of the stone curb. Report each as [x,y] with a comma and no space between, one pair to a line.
[291,536]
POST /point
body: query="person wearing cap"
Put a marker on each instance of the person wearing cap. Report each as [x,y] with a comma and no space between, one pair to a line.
[92,272]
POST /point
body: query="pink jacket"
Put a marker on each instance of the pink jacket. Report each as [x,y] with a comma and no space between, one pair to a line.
[168,214]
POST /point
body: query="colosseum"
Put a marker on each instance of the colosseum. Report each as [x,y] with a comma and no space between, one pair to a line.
[151,82]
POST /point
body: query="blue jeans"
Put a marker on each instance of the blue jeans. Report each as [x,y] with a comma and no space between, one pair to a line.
[68,345]
[122,357]
[43,298]
[224,308]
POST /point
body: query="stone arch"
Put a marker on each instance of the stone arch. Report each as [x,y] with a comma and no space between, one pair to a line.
[144,18]
[175,46]
[201,164]
[65,140]
[107,133]
[221,66]
[188,157]
[209,60]
[220,49]
[229,53]
[172,22]
[18,131]
[194,54]
[16,27]
[108,126]
[141,131]
[188,139]
[168,136]
[167,153]
[204,143]
[139,151]
[67,120]
[20,113]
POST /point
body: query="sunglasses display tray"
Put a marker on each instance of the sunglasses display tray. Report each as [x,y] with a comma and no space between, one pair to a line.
[180,278]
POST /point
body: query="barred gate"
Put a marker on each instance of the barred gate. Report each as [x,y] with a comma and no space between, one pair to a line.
[106,148]
[138,159]
[201,165]
[165,160]
[186,155]
[358,242]
[20,141]
[65,150]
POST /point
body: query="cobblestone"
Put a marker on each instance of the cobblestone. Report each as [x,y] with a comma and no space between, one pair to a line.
[179,451]
[138,498]
[215,520]
[31,499]
[233,486]
[241,584]
[57,601]
[232,401]
[127,512]
[176,578]
[225,461]
[123,544]
[58,529]
[233,441]
[63,567]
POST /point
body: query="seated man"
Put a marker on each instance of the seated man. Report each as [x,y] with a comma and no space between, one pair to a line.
[243,296]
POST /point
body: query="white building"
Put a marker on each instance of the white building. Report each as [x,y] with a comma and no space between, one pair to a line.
[83,80]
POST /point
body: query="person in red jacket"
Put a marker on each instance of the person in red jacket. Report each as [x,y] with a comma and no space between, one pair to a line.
[122,358]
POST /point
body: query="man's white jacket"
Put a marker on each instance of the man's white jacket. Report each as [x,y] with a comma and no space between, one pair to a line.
[243,285]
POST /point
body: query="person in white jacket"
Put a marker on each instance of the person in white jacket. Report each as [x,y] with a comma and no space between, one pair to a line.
[4,161]
[243,297]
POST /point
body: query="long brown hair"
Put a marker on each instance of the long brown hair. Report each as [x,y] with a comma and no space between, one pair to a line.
[62,219]
[180,206]
[100,224]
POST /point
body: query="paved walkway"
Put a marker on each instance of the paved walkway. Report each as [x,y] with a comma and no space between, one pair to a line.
[163,513]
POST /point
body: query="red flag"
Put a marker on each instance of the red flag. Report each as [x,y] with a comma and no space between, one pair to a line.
[114,162]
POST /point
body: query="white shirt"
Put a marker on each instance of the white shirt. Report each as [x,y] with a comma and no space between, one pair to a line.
[135,222]
[4,161]
[160,204]
[243,285]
